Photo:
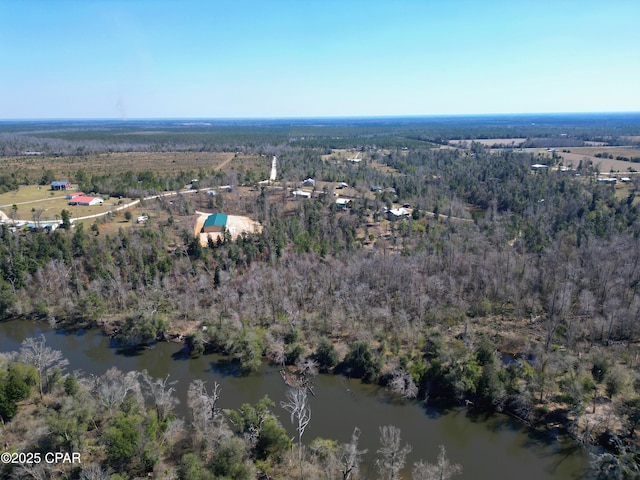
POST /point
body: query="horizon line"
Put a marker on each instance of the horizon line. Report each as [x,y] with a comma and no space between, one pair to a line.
[319,117]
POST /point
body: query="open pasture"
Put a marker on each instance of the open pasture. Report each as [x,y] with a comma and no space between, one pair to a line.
[490,142]
[616,151]
[113,163]
[40,201]
[575,155]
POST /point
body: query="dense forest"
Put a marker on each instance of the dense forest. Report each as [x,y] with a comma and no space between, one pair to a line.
[505,290]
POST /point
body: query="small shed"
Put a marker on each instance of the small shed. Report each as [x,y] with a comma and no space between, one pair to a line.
[60,185]
[342,203]
[215,223]
[309,182]
[300,194]
[610,181]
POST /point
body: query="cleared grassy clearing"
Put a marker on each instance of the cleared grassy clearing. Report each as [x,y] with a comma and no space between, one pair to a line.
[606,164]
[159,162]
[31,193]
[615,151]
[489,142]
[49,204]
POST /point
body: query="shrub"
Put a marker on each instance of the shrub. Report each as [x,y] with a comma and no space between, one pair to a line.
[360,362]
[326,355]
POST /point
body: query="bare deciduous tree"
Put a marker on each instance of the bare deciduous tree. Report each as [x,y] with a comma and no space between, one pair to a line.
[392,455]
[402,383]
[161,391]
[442,470]
[112,388]
[351,456]
[203,405]
[94,472]
[34,471]
[276,352]
[297,405]
[45,360]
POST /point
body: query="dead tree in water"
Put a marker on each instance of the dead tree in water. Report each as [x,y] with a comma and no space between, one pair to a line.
[297,405]
[351,456]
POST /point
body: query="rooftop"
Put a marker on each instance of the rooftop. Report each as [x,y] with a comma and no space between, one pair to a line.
[216,220]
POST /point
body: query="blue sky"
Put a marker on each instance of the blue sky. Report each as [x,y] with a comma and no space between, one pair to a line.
[302,58]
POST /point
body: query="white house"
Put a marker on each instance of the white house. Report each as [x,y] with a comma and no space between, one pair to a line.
[343,203]
[398,213]
[300,194]
[539,166]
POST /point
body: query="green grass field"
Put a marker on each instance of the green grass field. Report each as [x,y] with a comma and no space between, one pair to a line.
[32,199]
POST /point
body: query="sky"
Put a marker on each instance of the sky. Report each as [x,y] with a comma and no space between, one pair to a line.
[127,59]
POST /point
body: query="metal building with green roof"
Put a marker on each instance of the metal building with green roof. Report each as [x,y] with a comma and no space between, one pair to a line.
[215,223]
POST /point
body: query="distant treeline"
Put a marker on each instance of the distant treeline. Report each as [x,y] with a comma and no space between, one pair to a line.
[77,137]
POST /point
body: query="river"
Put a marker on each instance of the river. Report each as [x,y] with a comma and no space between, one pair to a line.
[490,448]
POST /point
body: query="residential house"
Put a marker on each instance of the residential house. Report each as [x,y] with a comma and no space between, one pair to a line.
[60,185]
[342,203]
[85,201]
[398,213]
[215,223]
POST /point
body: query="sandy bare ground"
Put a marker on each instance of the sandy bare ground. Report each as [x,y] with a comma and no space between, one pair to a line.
[236,225]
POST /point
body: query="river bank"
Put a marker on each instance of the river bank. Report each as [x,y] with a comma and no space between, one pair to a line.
[486,446]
